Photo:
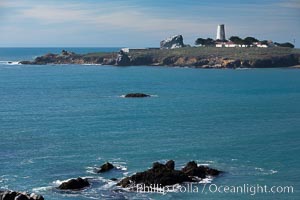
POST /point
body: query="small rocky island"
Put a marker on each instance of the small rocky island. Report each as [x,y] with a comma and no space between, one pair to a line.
[74,184]
[137,95]
[160,174]
[173,52]
[166,175]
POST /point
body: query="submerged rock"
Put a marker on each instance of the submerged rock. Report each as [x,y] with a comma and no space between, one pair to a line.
[105,167]
[136,95]
[166,174]
[172,42]
[12,195]
[74,184]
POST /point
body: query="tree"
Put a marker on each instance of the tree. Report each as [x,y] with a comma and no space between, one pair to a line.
[264,42]
[200,41]
[236,40]
[286,44]
[210,42]
[250,40]
[205,42]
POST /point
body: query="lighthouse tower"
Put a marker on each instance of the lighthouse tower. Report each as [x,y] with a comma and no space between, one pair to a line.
[221,32]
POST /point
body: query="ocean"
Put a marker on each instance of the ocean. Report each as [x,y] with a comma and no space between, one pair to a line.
[61,121]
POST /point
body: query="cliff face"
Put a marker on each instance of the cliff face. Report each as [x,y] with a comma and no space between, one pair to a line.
[173,58]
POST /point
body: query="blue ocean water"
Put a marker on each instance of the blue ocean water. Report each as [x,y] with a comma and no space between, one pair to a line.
[60,121]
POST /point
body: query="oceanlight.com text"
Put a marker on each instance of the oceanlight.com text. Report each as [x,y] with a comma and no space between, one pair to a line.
[247,189]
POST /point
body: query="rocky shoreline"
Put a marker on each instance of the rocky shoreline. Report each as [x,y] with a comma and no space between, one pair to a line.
[182,57]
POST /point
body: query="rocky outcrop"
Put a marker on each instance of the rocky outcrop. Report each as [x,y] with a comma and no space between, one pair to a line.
[105,167]
[166,174]
[67,53]
[192,169]
[123,59]
[12,195]
[74,184]
[136,95]
[172,42]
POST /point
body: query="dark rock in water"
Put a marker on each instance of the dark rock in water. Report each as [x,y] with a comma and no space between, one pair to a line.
[113,179]
[36,197]
[22,197]
[25,62]
[158,174]
[8,195]
[136,95]
[166,174]
[192,169]
[105,167]
[170,164]
[12,195]
[172,42]
[74,184]
[122,59]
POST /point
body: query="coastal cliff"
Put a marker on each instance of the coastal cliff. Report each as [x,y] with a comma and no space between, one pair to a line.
[203,57]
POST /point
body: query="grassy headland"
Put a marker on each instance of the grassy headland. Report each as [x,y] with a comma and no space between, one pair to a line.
[199,57]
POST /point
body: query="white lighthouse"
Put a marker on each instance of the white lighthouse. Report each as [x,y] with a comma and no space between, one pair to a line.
[221,32]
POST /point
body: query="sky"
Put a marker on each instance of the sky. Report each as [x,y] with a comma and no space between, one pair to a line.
[142,23]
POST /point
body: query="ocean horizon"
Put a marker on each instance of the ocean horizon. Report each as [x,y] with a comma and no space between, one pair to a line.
[59,122]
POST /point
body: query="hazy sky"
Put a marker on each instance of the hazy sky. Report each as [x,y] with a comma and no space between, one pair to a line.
[141,23]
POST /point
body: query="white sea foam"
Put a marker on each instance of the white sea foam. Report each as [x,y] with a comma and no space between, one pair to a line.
[208,179]
[109,184]
[91,170]
[10,63]
[203,164]
[42,189]
[2,180]
[120,165]
[91,64]
[265,172]
[125,173]
[273,171]
[242,68]
[259,169]
[27,162]
[59,182]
